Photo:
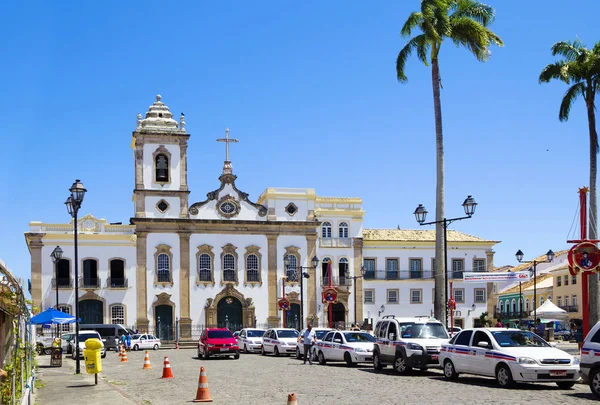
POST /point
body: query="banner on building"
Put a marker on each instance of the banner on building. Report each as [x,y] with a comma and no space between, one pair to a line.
[481,277]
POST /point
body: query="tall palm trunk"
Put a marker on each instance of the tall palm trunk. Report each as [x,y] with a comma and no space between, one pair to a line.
[440,264]
[594,290]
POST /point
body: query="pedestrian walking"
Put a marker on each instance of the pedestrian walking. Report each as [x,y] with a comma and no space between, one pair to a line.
[128,340]
[309,337]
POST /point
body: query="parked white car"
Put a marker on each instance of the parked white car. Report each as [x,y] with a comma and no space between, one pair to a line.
[319,335]
[140,342]
[83,336]
[509,355]
[349,346]
[280,341]
[250,340]
[590,360]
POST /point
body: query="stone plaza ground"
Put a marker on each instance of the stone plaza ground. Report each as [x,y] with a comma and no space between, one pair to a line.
[254,379]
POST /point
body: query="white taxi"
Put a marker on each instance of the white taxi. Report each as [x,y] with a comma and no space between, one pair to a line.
[349,346]
[250,340]
[319,335]
[145,341]
[280,341]
[510,355]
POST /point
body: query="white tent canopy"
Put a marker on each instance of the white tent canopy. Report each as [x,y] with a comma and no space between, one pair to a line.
[549,310]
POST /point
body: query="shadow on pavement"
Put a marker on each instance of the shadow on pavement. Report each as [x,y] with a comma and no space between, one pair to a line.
[491,383]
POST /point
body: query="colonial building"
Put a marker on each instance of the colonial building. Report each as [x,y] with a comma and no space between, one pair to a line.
[227,259]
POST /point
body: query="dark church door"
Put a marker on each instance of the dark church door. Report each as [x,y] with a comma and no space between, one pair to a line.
[90,311]
[229,314]
[163,318]
[337,317]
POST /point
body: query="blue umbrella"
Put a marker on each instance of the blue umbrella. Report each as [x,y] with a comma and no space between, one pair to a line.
[52,316]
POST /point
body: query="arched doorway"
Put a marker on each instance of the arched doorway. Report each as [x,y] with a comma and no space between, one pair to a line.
[91,311]
[337,316]
[293,317]
[229,314]
[163,319]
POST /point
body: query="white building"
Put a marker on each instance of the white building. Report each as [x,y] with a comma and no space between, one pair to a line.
[220,261]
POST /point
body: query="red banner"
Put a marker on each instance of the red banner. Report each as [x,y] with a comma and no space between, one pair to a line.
[284,304]
[329,296]
[584,256]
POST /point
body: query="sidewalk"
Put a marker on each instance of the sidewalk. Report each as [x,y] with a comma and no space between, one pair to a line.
[61,386]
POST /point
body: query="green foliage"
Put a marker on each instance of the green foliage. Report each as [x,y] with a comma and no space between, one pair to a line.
[13,367]
[485,320]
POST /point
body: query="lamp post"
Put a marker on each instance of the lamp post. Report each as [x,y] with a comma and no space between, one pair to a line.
[381,310]
[420,213]
[549,258]
[354,278]
[73,204]
[303,275]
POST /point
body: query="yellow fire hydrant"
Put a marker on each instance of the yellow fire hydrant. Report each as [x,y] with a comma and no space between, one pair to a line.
[92,357]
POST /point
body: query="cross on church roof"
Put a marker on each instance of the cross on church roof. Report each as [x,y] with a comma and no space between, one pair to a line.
[227,166]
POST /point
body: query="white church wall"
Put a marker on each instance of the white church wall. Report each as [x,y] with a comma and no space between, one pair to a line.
[153,240]
[174,168]
[153,212]
[210,209]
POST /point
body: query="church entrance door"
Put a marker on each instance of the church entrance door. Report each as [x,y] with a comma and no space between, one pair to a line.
[229,314]
[163,318]
[338,316]
[90,311]
[293,317]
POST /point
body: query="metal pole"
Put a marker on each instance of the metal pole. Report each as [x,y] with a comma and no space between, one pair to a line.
[77,363]
[445,269]
[534,291]
[56,286]
[520,305]
[301,299]
[284,311]
[354,282]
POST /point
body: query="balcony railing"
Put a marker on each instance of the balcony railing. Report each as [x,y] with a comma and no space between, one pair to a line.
[113,282]
[335,242]
[570,308]
[510,314]
[335,280]
[399,275]
[89,282]
[63,283]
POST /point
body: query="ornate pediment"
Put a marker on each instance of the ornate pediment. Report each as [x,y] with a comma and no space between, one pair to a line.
[90,223]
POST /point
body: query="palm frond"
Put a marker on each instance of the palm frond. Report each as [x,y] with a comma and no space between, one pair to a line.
[482,13]
[415,19]
[421,45]
[472,35]
[567,49]
[556,71]
[569,98]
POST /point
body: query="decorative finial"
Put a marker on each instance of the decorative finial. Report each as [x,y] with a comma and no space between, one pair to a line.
[139,120]
[182,121]
[158,97]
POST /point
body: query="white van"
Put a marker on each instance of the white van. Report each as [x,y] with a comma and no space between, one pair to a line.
[109,332]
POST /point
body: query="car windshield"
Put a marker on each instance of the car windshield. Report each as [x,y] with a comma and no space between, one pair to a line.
[430,330]
[85,336]
[135,337]
[518,339]
[352,337]
[287,333]
[255,333]
[321,333]
[219,334]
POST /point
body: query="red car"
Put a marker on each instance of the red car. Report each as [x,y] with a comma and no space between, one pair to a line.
[217,342]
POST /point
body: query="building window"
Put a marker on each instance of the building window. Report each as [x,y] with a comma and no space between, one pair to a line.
[479,265]
[369,268]
[416,296]
[392,296]
[252,268]
[117,274]
[90,274]
[291,271]
[527,304]
[369,296]
[391,269]
[574,302]
[67,310]
[573,280]
[541,301]
[416,268]
[559,302]
[566,300]
[513,306]
[459,295]
[343,230]
[162,206]
[164,268]
[228,268]
[458,266]
[479,295]
[63,270]
[204,267]
[566,280]
[501,306]
[291,209]
[326,229]
[326,269]
[161,162]
[117,314]
[342,269]
[558,281]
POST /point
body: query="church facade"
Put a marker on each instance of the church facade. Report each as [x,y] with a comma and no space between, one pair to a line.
[226,260]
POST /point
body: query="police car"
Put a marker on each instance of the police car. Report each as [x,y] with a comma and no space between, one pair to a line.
[319,334]
[509,355]
[250,340]
[279,341]
[590,360]
[349,346]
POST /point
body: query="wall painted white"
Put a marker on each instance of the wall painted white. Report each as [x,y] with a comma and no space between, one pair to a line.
[153,212]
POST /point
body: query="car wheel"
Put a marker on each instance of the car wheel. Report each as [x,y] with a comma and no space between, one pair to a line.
[595,382]
[449,371]
[400,364]
[103,355]
[348,359]
[377,365]
[504,376]
[198,353]
[565,385]
[136,348]
[206,355]
[276,352]
[321,358]
[155,347]
[236,356]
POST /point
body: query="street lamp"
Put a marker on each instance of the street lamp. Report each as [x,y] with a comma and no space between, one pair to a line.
[354,278]
[549,258]
[73,204]
[381,310]
[56,255]
[420,213]
[303,275]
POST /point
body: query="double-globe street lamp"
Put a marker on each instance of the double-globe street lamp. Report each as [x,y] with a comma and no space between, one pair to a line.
[420,213]
[73,204]
[354,278]
[56,255]
[302,275]
[549,258]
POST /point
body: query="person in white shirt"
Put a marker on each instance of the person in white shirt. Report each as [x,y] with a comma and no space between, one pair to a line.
[309,337]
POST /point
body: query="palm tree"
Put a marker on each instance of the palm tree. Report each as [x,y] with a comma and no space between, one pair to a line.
[464,22]
[580,69]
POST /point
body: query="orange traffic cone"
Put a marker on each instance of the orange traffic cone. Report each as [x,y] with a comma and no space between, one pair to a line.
[203,393]
[292,399]
[147,365]
[124,358]
[167,373]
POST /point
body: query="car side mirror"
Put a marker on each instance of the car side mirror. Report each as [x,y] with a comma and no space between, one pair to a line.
[483,344]
[391,336]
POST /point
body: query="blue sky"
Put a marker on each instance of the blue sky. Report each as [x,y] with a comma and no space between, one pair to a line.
[310,90]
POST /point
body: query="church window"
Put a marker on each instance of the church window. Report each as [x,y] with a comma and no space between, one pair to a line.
[117,274]
[342,269]
[325,265]
[67,310]
[90,274]
[326,229]
[291,271]
[343,230]
[291,209]
[63,276]
[204,267]
[229,268]
[164,268]
[162,206]
[161,162]
[117,314]
[252,268]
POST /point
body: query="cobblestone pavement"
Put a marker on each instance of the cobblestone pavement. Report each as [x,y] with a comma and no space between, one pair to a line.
[254,379]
